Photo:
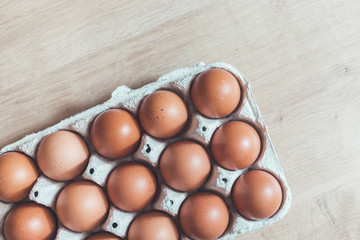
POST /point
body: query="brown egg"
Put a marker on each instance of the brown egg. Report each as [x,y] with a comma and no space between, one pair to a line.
[257,194]
[18,174]
[131,186]
[235,145]
[185,165]
[215,93]
[115,133]
[103,236]
[82,206]
[163,114]
[62,155]
[153,225]
[204,215]
[29,221]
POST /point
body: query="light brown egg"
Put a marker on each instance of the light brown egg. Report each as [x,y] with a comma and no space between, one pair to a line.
[62,155]
[153,225]
[18,174]
[82,206]
[163,114]
[115,133]
[215,93]
[257,194]
[131,186]
[29,221]
[204,215]
[185,165]
[103,236]
[235,145]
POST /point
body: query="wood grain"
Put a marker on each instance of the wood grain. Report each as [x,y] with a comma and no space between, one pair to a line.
[302,58]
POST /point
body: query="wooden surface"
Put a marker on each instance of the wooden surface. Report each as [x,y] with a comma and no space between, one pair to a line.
[302,57]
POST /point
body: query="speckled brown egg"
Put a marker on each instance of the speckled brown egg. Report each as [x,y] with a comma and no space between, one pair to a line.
[204,215]
[185,165]
[82,206]
[103,236]
[215,93]
[153,225]
[62,155]
[235,145]
[115,133]
[18,174]
[163,114]
[29,221]
[131,186]
[257,194]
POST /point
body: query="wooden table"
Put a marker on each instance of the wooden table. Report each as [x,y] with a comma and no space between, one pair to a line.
[302,58]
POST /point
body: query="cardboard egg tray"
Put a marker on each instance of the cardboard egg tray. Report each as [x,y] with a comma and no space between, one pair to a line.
[199,128]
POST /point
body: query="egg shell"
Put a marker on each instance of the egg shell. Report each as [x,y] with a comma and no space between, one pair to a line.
[215,93]
[18,174]
[131,186]
[185,165]
[235,145]
[82,206]
[204,216]
[103,236]
[62,155]
[115,133]
[163,114]
[153,225]
[257,195]
[29,221]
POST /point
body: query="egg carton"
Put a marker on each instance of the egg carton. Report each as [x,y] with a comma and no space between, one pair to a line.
[199,128]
